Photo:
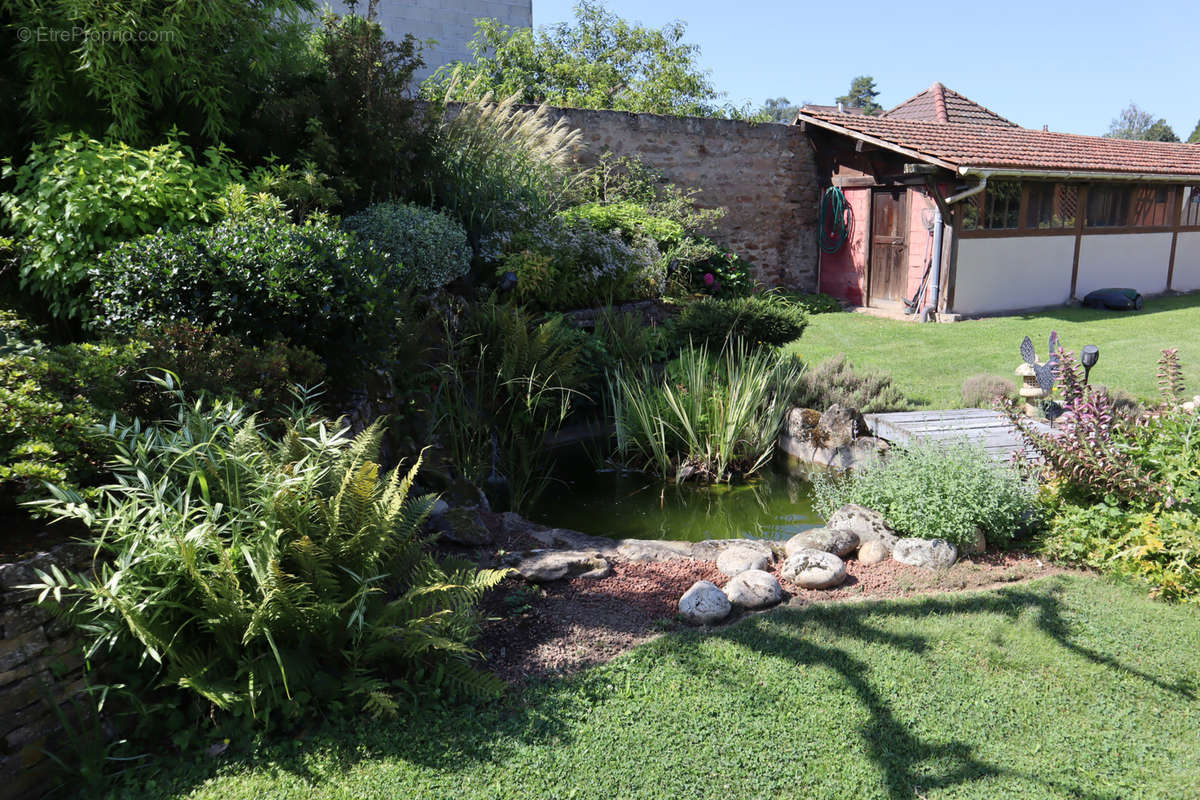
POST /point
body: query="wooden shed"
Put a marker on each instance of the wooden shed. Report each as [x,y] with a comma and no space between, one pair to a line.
[956,209]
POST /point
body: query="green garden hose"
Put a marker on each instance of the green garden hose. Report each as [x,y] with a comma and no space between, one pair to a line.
[834,220]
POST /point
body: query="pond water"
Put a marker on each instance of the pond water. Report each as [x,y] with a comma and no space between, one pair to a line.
[632,505]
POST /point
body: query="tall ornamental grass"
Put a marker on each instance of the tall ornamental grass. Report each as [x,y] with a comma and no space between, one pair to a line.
[710,416]
[269,577]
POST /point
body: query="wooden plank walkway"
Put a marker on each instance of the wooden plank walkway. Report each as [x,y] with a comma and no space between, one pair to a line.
[987,427]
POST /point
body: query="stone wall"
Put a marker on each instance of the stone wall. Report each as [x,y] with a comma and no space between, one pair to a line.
[764,174]
[40,659]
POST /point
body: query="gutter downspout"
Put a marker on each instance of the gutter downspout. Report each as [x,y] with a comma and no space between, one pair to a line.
[939,226]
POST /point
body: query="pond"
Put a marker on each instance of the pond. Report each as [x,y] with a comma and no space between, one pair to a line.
[632,505]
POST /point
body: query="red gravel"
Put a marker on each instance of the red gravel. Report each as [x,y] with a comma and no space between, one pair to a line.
[570,624]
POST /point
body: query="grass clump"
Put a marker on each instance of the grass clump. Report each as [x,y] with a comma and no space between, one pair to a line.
[836,381]
[712,415]
[935,491]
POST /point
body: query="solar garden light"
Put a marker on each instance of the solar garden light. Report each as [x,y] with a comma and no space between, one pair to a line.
[1088,357]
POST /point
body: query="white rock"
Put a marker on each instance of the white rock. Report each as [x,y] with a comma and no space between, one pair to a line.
[831,540]
[754,588]
[868,525]
[739,558]
[814,569]
[927,553]
[704,604]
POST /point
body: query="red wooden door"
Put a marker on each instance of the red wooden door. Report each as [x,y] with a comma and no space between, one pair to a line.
[889,246]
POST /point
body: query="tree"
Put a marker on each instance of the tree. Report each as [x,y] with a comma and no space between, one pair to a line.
[862,95]
[1195,137]
[779,109]
[1135,123]
[134,70]
[598,61]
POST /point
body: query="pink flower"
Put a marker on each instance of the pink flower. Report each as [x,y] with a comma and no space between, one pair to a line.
[709,280]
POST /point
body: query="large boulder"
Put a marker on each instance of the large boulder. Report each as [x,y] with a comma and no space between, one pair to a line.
[831,540]
[754,588]
[739,558]
[553,565]
[814,569]
[868,525]
[927,553]
[704,604]
[462,526]
[841,425]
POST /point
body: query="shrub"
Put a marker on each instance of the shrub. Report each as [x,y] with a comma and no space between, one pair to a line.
[710,417]
[985,391]
[563,265]
[427,248]
[270,578]
[760,320]
[508,381]
[259,280]
[631,220]
[836,381]
[936,491]
[50,400]
[75,197]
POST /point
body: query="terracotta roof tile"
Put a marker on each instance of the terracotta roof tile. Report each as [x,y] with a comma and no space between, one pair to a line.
[939,104]
[991,145]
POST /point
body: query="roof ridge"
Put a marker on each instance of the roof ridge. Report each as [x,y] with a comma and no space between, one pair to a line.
[939,101]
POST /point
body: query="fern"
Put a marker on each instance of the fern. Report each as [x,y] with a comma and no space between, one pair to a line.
[241,569]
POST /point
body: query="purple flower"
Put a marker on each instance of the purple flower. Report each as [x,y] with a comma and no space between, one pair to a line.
[709,280]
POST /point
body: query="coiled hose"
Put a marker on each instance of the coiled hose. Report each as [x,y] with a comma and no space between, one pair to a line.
[834,220]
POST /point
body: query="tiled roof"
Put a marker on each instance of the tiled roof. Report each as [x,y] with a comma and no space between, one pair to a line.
[939,104]
[973,145]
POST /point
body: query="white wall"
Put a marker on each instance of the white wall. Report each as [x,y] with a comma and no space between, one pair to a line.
[1012,273]
[451,22]
[1187,262]
[1134,260]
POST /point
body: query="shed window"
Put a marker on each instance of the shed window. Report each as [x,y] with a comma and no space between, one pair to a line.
[1191,207]
[1108,206]
[1002,205]
[1051,205]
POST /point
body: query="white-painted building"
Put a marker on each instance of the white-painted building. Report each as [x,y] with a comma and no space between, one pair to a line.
[1025,218]
[446,25]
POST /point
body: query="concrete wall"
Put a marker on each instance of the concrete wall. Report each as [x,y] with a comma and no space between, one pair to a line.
[1012,273]
[450,22]
[1135,260]
[40,659]
[1187,262]
[763,174]
[844,273]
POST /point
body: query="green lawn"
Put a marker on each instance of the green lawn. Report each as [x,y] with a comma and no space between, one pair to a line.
[930,362]
[1067,687]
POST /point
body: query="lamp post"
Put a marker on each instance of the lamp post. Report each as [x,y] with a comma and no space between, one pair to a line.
[1088,357]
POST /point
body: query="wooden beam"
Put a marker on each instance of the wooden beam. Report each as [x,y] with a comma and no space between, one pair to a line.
[921,169]
[1171,263]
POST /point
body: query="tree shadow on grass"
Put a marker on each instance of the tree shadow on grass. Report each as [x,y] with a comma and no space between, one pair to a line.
[895,749]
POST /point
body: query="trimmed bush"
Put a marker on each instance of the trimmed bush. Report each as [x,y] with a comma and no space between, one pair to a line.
[985,391]
[935,491]
[75,197]
[260,280]
[836,381]
[631,220]
[759,320]
[425,247]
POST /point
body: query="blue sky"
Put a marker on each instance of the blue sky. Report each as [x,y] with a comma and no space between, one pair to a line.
[1070,65]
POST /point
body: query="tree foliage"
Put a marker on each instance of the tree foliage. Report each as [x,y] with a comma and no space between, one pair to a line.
[779,109]
[598,61]
[862,95]
[1195,137]
[1136,123]
[133,70]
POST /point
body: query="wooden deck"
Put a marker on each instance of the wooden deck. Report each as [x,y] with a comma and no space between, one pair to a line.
[987,427]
